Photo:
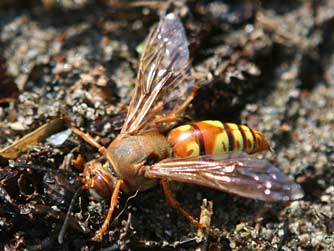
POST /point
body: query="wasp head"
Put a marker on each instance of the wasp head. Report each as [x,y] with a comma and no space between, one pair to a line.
[98,179]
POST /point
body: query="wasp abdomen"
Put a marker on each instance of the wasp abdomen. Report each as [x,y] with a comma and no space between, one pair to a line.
[214,137]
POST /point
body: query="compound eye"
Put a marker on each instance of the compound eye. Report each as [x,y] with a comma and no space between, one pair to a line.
[99,180]
[103,186]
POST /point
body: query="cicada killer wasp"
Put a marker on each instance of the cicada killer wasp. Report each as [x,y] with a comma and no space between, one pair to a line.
[199,153]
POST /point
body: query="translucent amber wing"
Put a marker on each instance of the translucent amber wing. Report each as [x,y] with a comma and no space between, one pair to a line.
[163,81]
[236,173]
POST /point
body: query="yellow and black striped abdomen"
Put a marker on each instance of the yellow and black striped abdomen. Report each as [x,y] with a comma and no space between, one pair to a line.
[214,137]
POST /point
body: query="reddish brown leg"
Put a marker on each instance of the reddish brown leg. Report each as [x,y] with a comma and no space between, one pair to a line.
[78,162]
[177,205]
[177,114]
[180,109]
[90,140]
[169,118]
[113,204]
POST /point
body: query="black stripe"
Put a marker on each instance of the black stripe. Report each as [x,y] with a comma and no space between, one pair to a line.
[200,139]
[244,138]
[230,137]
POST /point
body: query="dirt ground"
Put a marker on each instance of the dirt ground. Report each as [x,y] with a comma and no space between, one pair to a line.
[267,64]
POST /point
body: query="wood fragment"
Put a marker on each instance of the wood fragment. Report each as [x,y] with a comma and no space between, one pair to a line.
[205,221]
[40,134]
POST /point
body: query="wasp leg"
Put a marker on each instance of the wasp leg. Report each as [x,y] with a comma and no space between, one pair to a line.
[78,162]
[113,204]
[90,140]
[176,204]
[177,115]
[180,109]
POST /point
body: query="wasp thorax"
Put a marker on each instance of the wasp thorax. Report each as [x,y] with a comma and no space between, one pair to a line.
[131,154]
[99,180]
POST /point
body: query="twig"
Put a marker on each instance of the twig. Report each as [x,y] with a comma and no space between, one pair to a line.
[123,235]
[66,221]
[205,221]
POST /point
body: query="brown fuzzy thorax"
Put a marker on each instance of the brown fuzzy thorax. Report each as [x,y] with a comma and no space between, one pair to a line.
[129,155]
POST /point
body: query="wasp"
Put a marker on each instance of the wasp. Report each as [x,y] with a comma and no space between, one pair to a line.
[208,153]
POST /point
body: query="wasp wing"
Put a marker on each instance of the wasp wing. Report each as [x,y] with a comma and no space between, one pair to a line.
[163,80]
[236,173]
